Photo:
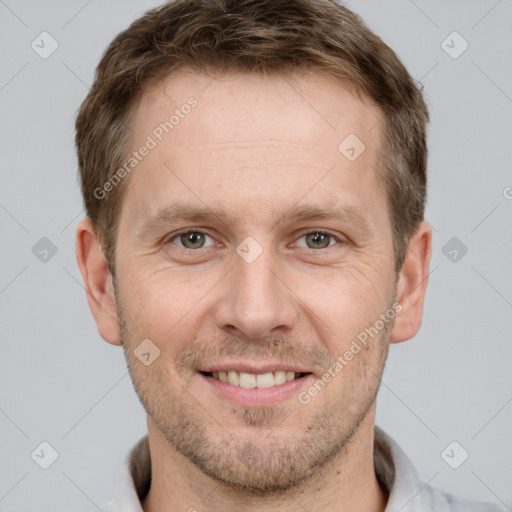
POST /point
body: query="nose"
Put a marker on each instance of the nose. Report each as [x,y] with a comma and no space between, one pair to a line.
[255,300]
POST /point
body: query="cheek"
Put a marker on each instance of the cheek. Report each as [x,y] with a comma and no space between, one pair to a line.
[344,302]
[160,304]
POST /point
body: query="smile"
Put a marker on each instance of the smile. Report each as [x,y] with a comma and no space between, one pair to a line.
[251,380]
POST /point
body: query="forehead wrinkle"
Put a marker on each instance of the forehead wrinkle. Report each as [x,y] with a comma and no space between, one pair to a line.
[248,144]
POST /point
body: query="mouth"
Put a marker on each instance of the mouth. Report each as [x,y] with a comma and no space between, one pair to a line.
[256,380]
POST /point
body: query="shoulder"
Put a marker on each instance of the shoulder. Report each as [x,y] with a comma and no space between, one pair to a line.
[407,492]
[439,501]
[107,507]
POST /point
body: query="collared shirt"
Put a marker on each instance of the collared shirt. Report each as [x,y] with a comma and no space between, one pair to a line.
[394,470]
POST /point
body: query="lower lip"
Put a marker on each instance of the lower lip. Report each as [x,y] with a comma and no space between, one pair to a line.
[257,396]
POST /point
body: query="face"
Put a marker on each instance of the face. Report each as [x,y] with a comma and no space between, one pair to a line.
[251,242]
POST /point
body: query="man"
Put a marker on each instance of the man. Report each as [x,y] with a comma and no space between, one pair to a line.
[254,174]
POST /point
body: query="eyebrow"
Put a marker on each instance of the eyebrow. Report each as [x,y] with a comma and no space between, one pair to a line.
[174,212]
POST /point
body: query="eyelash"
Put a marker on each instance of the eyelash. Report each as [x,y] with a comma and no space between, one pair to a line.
[303,234]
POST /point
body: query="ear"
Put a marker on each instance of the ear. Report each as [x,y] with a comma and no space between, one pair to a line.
[412,284]
[98,282]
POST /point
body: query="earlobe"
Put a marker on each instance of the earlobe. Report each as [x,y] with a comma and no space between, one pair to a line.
[97,281]
[412,284]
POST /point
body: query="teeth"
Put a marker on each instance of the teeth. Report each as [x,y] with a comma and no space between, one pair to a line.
[265,380]
[234,378]
[280,377]
[247,380]
[250,380]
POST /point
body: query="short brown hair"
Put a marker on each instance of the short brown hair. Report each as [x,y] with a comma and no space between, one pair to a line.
[263,36]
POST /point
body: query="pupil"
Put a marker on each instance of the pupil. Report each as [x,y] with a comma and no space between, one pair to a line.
[192,240]
[319,240]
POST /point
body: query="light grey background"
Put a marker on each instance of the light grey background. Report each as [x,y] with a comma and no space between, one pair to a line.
[61,383]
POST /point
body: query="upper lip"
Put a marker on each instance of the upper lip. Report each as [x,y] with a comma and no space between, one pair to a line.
[253,368]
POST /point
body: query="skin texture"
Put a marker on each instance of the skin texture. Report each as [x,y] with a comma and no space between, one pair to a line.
[252,151]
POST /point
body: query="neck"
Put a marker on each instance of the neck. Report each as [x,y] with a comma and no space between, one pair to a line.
[345,483]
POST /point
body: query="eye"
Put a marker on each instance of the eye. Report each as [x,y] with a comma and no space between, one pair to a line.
[317,240]
[191,240]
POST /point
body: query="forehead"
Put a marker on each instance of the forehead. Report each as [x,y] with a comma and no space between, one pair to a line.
[268,137]
[308,103]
